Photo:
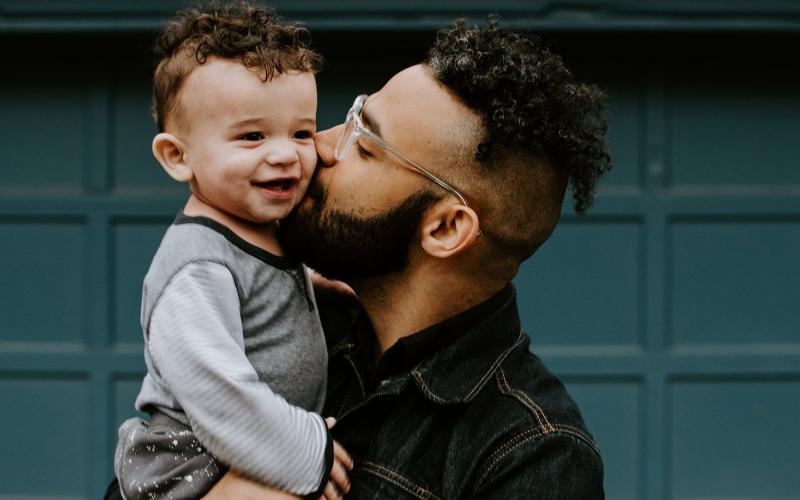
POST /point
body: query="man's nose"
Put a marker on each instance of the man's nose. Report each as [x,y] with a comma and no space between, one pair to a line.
[282,153]
[325,142]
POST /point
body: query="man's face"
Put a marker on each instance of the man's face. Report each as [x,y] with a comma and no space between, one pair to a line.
[362,214]
[249,143]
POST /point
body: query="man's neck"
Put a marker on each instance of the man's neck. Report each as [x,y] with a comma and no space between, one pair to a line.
[404,304]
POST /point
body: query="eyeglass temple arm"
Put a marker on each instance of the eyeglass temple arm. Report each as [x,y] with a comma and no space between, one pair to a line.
[417,167]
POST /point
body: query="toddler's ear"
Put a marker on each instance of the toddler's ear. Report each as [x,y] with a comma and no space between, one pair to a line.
[169,151]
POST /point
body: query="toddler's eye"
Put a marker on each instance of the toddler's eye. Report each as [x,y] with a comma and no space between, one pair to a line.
[303,134]
[251,136]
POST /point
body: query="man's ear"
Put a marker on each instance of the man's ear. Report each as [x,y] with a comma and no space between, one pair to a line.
[170,153]
[448,229]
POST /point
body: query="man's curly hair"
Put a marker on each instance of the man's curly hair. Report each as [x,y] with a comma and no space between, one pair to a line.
[527,99]
[240,30]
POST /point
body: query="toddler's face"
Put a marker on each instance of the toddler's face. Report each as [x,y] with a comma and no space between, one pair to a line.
[248,143]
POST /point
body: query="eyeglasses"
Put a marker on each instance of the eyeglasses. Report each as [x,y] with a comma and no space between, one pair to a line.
[353,127]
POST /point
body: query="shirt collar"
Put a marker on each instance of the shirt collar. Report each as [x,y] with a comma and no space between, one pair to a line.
[409,351]
[450,360]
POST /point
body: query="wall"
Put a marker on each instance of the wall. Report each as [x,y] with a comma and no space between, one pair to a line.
[671,310]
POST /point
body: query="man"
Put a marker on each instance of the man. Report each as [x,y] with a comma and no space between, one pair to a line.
[426,201]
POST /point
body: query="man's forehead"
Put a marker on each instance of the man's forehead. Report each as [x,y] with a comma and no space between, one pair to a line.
[406,91]
[413,105]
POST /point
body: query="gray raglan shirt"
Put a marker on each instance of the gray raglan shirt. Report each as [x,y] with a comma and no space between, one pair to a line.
[234,348]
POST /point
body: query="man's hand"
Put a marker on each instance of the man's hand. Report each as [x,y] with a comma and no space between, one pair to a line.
[331,288]
[339,482]
[232,485]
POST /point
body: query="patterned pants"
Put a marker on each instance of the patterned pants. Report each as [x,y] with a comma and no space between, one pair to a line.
[163,459]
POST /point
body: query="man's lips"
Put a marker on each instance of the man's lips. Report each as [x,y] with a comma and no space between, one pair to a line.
[315,189]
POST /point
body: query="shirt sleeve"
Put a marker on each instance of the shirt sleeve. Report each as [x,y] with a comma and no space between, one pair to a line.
[196,343]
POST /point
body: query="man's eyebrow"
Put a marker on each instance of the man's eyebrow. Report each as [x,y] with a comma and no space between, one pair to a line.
[370,123]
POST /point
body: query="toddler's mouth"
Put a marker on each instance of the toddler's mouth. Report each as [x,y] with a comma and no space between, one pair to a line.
[281,190]
[278,185]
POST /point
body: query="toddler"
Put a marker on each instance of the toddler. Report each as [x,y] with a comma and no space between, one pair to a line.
[235,354]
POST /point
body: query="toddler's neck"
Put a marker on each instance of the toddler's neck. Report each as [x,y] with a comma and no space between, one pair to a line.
[262,235]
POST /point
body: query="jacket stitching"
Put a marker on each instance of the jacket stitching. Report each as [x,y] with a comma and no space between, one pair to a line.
[429,392]
[505,388]
[426,389]
[526,436]
[574,431]
[494,367]
[398,480]
[546,425]
[508,447]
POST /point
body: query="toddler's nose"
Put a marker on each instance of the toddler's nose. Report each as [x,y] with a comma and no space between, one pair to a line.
[282,153]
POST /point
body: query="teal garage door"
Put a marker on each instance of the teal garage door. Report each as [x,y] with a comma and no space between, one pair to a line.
[672,311]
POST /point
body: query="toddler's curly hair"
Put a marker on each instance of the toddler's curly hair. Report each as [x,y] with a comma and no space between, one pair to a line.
[240,30]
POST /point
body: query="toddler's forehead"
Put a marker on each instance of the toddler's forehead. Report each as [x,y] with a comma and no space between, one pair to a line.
[225,90]
[202,88]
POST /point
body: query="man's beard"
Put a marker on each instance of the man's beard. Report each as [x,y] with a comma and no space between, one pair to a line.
[346,247]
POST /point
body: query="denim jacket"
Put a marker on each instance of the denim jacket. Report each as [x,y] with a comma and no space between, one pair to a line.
[480,418]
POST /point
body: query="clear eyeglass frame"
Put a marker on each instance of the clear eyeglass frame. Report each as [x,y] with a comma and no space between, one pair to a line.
[353,128]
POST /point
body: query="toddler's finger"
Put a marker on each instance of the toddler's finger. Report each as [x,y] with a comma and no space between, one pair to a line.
[339,477]
[341,455]
[331,493]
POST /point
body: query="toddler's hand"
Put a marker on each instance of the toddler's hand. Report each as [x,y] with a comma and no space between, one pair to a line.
[339,482]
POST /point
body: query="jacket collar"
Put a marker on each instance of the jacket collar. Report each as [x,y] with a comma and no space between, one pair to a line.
[457,372]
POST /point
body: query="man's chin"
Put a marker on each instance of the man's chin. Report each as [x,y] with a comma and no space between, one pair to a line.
[347,247]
